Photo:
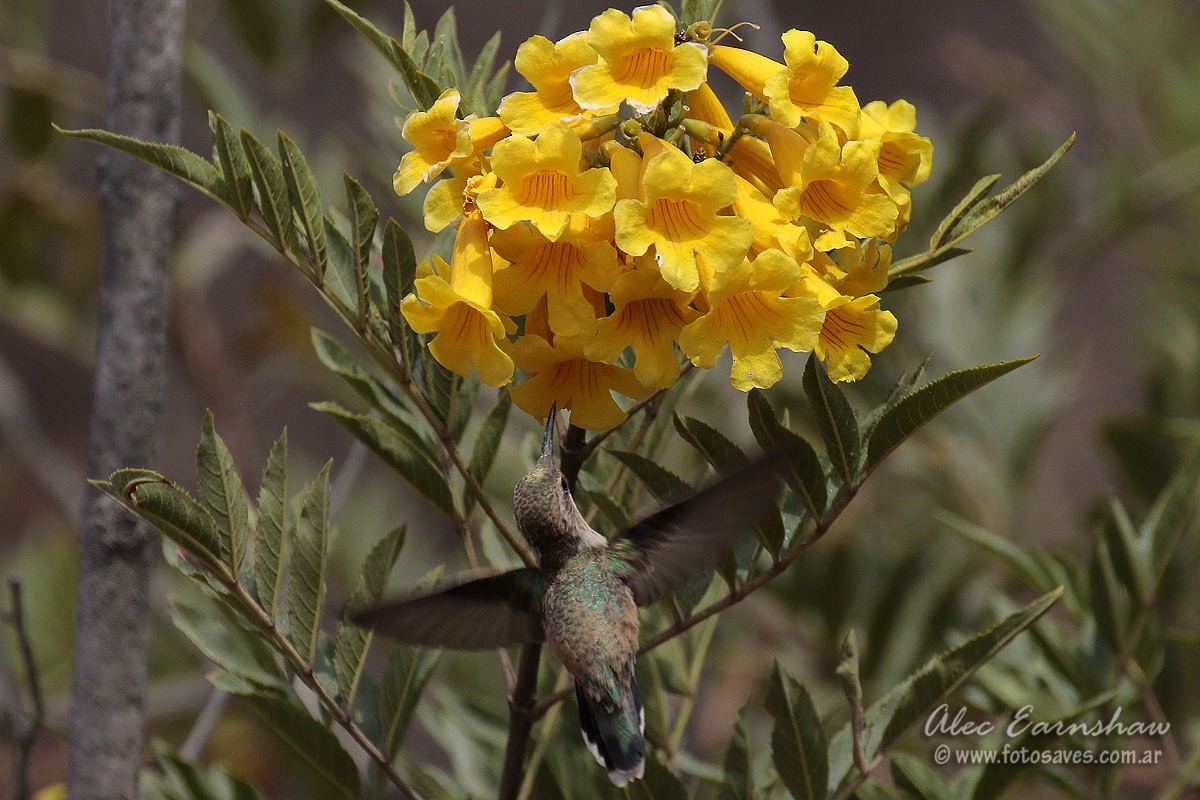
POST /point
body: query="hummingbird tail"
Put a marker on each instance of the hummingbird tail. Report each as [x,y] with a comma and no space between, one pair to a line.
[613,728]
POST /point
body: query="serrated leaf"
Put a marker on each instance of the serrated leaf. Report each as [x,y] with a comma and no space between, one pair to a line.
[804,474]
[424,90]
[188,781]
[352,643]
[398,452]
[183,164]
[1017,557]
[273,201]
[835,420]
[921,405]
[335,357]
[487,444]
[223,496]
[714,446]
[909,280]
[797,742]
[340,280]
[481,74]
[739,776]
[1170,516]
[169,509]
[227,644]
[985,211]
[399,270]
[306,570]
[364,217]
[310,740]
[408,670]
[973,196]
[662,483]
[272,542]
[921,692]
[239,185]
[305,196]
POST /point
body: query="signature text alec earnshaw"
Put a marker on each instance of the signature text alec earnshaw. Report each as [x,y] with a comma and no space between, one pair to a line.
[940,722]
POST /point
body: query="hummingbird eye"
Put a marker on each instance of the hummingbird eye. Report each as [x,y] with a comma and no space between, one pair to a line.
[566,487]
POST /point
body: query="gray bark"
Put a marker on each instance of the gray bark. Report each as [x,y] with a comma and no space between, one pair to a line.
[138,205]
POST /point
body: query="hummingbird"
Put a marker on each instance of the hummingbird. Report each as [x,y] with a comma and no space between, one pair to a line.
[582,599]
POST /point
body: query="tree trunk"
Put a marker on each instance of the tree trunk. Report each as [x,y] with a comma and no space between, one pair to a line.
[138,205]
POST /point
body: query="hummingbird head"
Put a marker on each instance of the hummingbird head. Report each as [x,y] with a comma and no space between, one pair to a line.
[546,513]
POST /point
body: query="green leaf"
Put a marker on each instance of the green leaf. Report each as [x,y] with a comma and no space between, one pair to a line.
[272,190]
[423,89]
[313,743]
[972,198]
[662,483]
[224,641]
[397,450]
[481,75]
[239,185]
[920,693]
[272,542]
[804,475]
[182,779]
[399,270]
[487,444]
[1016,557]
[921,405]
[714,446]
[982,213]
[797,742]
[835,420]
[364,218]
[911,279]
[1129,552]
[1170,516]
[352,643]
[169,509]
[408,670]
[223,496]
[306,572]
[340,280]
[659,783]
[1108,599]
[305,196]
[183,164]
[739,777]
[917,778]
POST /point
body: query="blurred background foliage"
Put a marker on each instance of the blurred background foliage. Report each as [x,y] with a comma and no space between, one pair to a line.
[1096,269]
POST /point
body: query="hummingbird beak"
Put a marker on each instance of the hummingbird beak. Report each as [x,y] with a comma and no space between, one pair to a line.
[548,441]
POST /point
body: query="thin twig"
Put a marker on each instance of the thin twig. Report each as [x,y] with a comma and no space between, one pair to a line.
[204,726]
[26,723]
[520,721]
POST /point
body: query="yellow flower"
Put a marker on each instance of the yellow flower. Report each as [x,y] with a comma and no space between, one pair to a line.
[751,314]
[639,61]
[705,106]
[860,269]
[853,327]
[808,88]
[454,301]
[450,198]
[558,271]
[904,157]
[547,66]
[836,188]
[543,184]
[562,374]
[678,216]
[748,68]
[751,158]
[770,228]
[648,315]
[439,138]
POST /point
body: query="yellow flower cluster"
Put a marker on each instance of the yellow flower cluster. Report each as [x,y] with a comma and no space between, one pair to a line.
[617,207]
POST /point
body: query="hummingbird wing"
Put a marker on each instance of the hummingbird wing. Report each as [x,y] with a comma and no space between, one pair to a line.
[476,611]
[658,553]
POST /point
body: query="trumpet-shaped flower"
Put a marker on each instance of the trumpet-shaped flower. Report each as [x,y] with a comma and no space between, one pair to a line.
[543,184]
[439,139]
[747,67]
[639,61]
[558,271]
[450,198]
[750,313]
[548,66]
[838,190]
[853,328]
[454,301]
[860,269]
[808,88]
[648,315]
[904,157]
[678,215]
[770,228]
[706,107]
[562,374]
